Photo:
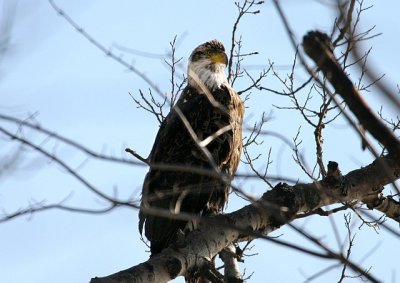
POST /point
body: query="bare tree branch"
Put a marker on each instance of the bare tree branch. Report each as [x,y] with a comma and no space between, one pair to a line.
[276,208]
[316,45]
[104,49]
[243,9]
[86,150]
[229,257]
[60,162]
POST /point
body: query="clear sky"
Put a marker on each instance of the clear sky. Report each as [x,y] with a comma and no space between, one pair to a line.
[50,71]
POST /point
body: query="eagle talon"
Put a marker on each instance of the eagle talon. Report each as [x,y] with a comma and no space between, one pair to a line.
[180,238]
[205,270]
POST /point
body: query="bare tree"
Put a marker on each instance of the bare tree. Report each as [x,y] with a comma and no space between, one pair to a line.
[327,94]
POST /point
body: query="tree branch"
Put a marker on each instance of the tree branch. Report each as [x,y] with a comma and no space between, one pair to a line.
[231,268]
[81,147]
[317,45]
[276,208]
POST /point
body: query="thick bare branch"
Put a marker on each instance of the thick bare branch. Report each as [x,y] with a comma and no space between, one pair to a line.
[276,208]
[317,45]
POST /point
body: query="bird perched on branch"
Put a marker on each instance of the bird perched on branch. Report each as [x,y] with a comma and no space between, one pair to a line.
[198,145]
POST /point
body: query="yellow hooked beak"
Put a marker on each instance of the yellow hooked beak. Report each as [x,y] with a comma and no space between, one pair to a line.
[219,58]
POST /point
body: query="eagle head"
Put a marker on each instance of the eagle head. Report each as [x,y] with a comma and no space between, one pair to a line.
[206,66]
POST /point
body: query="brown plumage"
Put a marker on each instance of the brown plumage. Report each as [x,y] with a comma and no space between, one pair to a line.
[209,104]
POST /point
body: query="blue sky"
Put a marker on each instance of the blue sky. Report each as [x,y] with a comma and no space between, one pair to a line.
[75,90]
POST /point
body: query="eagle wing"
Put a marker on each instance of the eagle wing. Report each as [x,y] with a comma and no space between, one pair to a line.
[191,192]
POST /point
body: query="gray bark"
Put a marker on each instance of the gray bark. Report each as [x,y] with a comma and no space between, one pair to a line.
[275,208]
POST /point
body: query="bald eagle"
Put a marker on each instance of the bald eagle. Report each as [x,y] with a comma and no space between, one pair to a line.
[203,130]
